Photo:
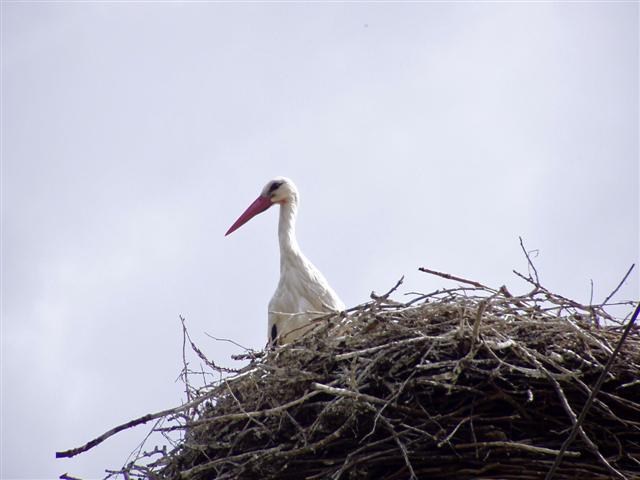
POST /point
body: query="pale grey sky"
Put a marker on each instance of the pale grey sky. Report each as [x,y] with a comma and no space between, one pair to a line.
[432,134]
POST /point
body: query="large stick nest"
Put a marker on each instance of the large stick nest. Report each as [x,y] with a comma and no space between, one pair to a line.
[459,384]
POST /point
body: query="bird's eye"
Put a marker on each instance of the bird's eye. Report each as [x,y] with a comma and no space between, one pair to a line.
[274,186]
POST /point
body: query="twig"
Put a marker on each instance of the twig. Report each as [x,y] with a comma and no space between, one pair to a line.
[447,439]
[135,454]
[247,350]
[457,279]
[342,392]
[386,295]
[402,447]
[531,265]
[249,415]
[203,467]
[624,279]
[475,335]
[138,421]
[204,358]
[185,365]
[514,446]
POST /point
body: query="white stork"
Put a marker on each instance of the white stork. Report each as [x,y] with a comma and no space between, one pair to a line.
[302,291]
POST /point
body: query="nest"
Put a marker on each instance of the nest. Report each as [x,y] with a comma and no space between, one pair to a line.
[463,383]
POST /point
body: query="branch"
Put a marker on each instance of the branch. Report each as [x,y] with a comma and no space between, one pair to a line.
[203,357]
[624,279]
[457,279]
[386,295]
[531,265]
[247,415]
[133,423]
[514,446]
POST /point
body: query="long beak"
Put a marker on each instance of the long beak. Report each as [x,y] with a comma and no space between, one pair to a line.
[259,205]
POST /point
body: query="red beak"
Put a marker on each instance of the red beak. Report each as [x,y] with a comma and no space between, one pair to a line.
[259,205]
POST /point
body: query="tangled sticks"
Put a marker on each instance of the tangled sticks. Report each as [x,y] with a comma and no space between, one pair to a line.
[469,382]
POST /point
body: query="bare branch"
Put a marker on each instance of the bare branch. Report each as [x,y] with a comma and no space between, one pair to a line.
[457,279]
[531,265]
[138,421]
[624,279]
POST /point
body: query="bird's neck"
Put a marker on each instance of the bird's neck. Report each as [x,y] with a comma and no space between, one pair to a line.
[289,249]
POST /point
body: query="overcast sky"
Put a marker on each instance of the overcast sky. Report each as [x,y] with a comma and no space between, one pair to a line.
[134,134]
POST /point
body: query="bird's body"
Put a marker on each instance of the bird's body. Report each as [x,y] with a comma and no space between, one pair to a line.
[302,293]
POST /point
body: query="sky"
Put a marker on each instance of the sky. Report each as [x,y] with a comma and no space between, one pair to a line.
[418,134]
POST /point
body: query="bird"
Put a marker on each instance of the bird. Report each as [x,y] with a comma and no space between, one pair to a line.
[302,293]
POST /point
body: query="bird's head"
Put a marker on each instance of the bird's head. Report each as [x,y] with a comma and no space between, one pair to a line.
[278,190]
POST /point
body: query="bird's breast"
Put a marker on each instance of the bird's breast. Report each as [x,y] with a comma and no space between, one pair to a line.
[302,295]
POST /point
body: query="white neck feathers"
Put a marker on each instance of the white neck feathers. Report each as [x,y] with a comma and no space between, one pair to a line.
[289,249]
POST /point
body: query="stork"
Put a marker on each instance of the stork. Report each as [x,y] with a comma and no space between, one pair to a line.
[302,291]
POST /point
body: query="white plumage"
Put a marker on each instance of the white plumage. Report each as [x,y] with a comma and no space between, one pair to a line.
[302,293]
